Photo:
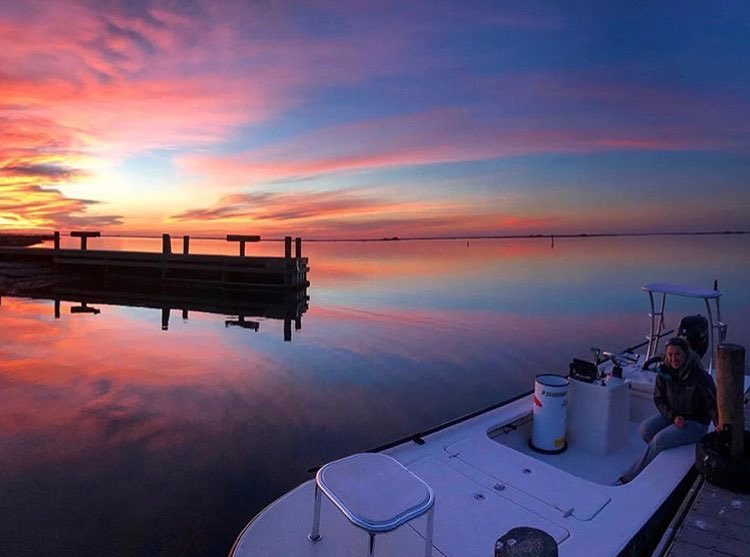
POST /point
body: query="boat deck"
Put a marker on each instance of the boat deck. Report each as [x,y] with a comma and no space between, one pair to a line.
[483,489]
[601,469]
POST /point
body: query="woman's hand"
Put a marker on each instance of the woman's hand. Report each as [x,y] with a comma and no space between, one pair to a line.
[679,422]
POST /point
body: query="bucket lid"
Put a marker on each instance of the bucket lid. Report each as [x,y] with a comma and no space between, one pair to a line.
[552,380]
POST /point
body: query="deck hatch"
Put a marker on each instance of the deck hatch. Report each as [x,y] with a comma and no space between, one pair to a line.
[569,494]
[468,525]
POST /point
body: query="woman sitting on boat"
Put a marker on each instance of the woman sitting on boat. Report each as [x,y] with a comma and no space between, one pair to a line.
[685,396]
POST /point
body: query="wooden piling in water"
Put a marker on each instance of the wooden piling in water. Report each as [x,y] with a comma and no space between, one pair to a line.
[166,244]
[730,381]
[185,245]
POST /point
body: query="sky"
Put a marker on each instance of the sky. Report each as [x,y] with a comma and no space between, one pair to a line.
[354,119]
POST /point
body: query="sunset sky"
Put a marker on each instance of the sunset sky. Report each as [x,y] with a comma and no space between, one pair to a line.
[353,119]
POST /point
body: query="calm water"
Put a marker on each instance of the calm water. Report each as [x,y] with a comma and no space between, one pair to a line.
[118,438]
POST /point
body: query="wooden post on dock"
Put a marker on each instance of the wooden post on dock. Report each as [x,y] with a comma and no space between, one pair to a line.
[730,382]
[298,248]
[165,319]
[287,247]
[57,240]
[84,236]
[166,244]
[242,239]
[186,245]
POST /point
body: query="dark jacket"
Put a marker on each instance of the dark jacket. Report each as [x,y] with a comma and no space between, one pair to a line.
[688,392]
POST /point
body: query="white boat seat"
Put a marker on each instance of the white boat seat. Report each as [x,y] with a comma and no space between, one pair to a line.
[376,493]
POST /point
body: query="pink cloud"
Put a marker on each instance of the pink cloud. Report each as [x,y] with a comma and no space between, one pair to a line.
[432,137]
[101,81]
[81,83]
[354,214]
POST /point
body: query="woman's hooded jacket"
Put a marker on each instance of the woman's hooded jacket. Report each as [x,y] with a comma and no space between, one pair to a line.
[688,392]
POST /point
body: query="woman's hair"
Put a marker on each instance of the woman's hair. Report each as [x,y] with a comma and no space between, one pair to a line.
[680,342]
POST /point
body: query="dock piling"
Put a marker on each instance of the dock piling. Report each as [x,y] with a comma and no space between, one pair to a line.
[185,245]
[287,247]
[242,239]
[84,236]
[730,376]
[56,237]
[166,244]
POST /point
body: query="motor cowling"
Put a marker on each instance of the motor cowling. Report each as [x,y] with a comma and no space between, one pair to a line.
[695,329]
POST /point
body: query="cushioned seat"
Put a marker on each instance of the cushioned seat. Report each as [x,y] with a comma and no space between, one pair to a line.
[376,493]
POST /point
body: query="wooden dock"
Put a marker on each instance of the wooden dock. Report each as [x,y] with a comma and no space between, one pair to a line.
[147,270]
[716,523]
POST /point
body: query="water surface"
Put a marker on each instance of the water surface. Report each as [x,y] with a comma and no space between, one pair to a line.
[120,438]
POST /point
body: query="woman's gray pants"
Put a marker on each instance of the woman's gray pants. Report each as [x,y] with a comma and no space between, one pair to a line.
[661,434]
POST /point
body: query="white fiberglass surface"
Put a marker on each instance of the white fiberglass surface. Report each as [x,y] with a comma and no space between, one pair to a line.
[595,466]
[598,468]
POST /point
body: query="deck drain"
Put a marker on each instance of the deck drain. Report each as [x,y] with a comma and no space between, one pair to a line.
[478,496]
[527,470]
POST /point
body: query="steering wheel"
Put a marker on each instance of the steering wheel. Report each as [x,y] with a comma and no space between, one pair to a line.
[647,365]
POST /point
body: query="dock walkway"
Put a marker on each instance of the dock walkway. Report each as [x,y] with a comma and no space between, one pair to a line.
[140,269]
[717,523]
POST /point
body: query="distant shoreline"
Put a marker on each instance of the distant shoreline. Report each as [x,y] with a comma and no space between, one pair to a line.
[528,236]
[22,239]
[470,237]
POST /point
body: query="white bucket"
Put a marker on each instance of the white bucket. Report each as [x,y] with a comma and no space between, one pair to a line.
[550,413]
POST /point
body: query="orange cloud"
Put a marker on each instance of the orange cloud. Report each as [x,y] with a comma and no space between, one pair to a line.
[83,85]
[88,90]
[354,214]
[32,165]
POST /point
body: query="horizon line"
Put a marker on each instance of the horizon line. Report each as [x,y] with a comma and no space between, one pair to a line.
[429,238]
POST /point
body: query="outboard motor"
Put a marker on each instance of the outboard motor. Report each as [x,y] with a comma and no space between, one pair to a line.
[695,329]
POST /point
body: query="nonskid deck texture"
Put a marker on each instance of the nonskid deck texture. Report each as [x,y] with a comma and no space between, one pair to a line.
[483,489]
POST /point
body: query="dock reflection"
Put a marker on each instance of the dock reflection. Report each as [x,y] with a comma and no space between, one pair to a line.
[240,306]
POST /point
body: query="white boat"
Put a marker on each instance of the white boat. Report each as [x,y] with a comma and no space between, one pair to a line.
[486,479]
